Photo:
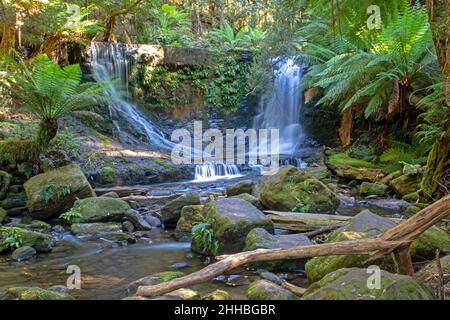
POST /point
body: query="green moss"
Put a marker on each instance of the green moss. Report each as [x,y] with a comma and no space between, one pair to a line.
[425,246]
[5,181]
[164,163]
[100,209]
[166,276]
[266,290]
[344,159]
[41,242]
[217,295]
[33,293]
[109,174]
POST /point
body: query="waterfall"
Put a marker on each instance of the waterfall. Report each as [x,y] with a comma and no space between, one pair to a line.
[215,171]
[281,110]
[110,62]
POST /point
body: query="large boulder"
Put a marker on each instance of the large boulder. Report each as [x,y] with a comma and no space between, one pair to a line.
[94,228]
[294,190]
[245,186]
[5,181]
[232,220]
[171,212]
[41,242]
[251,199]
[266,290]
[137,220]
[352,284]
[23,253]
[189,216]
[261,239]
[14,200]
[368,189]
[100,209]
[405,184]
[33,293]
[55,191]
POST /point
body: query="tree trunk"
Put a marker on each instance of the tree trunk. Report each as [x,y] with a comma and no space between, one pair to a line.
[46,132]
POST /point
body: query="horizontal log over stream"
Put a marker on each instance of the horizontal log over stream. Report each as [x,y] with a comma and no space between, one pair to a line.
[396,240]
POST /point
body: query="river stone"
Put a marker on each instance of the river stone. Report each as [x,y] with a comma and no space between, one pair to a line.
[23,253]
[154,279]
[217,295]
[14,200]
[127,226]
[398,206]
[137,220]
[354,173]
[425,246]
[119,237]
[261,239]
[33,293]
[152,220]
[183,294]
[266,290]
[251,199]
[171,212]
[41,242]
[405,185]
[94,228]
[3,215]
[5,181]
[100,209]
[245,186]
[111,194]
[40,225]
[292,189]
[368,189]
[69,178]
[189,216]
[232,220]
[351,284]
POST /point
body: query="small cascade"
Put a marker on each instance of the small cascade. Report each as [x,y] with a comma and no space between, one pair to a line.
[215,171]
[110,62]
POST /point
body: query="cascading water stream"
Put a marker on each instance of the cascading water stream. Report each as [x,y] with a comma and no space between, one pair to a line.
[110,62]
[214,171]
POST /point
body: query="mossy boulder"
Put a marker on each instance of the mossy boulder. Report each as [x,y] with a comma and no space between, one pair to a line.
[349,168]
[320,173]
[3,215]
[412,197]
[266,290]
[154,279]
[100,209]
[351,284]
[294,190]
[55,191]
[33,293]
[5,181]
[232,220]
[405,184]
[40,225]
[189,216]
[245,186]
[94,228]
[261,239]
[171,212]
[217,295]
[23,253]
[251,199]
[41,242]
[425,246]
[14,200]
[119,237]
[368,189]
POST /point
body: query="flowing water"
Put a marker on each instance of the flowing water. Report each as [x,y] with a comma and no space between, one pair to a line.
[215,171]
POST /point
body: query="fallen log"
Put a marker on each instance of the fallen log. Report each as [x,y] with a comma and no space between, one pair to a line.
[398,238]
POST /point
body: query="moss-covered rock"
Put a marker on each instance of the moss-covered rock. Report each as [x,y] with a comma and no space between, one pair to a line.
[14,200]
[41,242]
[425,246]
[33,293]
[217,295]
[231,220]
[154,279]
[266,290]
[23,253]
[245,186]
[412,197]
[405,185]
[40,225]
[55,191]
[189,216]
[183,294]
[94,228]
[251,199]
[261,239]
[349,168]
[368,189]
[100,209]
[119,237]
[3,215]
[5,181]
[171,212]
[351,284]
[320,173]
[294,190]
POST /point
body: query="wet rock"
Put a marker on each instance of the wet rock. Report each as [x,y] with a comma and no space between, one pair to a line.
[180,265]
[346,201]
[137,220]
[40,225]
[217,295]
[14,200]
[171,212]
[61,187]
[5,181]
[377,189]
[405,184]
[231,221]
[183,294]
[250,199]
[236,280]
[94,228]
[127,226]
[152,220]
[294,190]
[245,186]
[266,290]
[261,239]
[33,293]
[189,216]
[41,242]
[395,205]
[154,279]
[111,194]
[59,288]
[23,253]
[119,237]
[351,284]
[272,277]
[100,209]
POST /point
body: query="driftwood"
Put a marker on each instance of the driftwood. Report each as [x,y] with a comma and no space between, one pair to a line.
[395,240]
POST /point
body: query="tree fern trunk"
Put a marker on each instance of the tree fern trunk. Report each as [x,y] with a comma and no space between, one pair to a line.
[46,132]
